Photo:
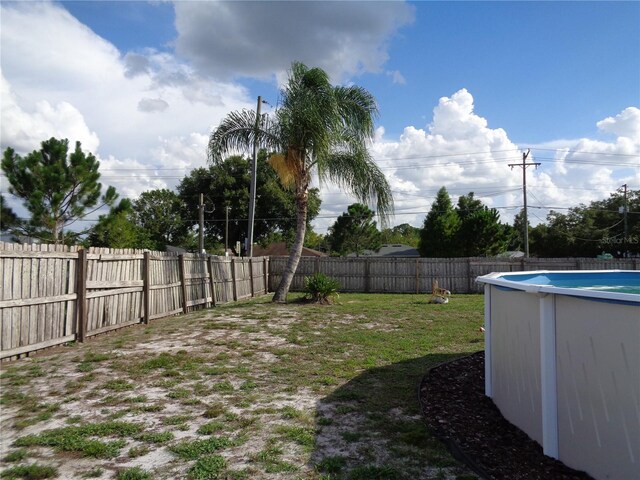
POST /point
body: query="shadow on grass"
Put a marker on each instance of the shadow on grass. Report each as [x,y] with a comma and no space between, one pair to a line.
[372,428]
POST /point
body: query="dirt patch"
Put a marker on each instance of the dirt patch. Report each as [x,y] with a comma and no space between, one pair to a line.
[258,378]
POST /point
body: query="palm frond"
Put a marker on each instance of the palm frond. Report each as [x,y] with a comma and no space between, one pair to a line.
[358,174]
[283,168]
[237,133]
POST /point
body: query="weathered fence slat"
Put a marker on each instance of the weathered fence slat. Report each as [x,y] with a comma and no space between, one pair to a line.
[50,295]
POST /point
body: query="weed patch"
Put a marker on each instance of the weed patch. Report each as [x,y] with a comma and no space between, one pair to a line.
[33,471]
[77,439]
[191,450]
[207,468]
[134,473]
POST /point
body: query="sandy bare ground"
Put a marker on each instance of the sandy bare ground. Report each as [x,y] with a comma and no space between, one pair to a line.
[221,373]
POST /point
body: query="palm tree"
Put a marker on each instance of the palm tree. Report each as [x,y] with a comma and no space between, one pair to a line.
[318,128]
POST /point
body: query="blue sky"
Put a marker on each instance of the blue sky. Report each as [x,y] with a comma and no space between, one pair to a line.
[463,88]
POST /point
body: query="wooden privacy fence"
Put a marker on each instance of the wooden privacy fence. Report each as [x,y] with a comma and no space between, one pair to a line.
[51,295]
[55,294]
[414,275]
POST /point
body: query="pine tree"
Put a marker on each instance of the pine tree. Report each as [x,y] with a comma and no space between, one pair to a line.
[57,188]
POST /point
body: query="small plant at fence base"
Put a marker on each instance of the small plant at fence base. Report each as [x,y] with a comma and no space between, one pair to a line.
[321,288]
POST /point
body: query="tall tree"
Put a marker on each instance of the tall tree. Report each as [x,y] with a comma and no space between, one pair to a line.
[56,187]
[516,241]
[317,128]
[117,229]
[160,213]
[587,230]
[439,229]
[355,231]
[8,219]
[401,234]
[480,232]
[225,185]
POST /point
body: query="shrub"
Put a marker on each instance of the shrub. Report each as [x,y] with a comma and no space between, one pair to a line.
[320,288]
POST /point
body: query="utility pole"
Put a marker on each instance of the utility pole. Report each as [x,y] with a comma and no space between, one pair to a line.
[226,231]
[626,225]
[252,188]
[201,218]
[524,166]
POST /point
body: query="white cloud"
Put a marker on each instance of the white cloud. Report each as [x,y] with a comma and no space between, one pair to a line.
[626,124]
[24,130]
[396,77]
[461,152]
[258,39]
[147,114]
[152,105]
[60,79]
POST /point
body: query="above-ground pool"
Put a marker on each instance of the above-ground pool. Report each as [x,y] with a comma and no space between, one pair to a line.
[562,362]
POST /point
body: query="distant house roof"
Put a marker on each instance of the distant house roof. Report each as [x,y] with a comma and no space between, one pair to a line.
[512,254]
[390,250]
[172,249]
[280,248]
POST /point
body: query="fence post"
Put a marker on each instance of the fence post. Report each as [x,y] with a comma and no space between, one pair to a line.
[253,293]
[367,279]
[417,276]
[266,275]
[233,279]
[81,278]
[212,281]
[146,279]
[183,283]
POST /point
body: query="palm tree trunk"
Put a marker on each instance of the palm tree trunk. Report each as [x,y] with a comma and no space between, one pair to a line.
[296,249]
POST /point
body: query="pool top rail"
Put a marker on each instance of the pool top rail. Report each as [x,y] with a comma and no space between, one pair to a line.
[620,285]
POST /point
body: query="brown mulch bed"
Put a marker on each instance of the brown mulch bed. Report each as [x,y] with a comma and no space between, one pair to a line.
[468,422]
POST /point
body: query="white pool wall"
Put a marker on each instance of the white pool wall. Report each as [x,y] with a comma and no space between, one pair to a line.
[564,366]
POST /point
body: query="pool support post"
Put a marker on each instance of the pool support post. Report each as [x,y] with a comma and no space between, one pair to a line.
[549,375]
[487,341]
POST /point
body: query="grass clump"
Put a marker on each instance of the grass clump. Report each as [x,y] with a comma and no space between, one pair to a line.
[33,471]
[155,437]
[332,464]
[374,472]
[16,456]
[270,458]
[191,450]
[302,436]
[118,385]
[210,428]
[134,473]
[138,451]
[209,467]
[214,410]
[77,439]
[93,473]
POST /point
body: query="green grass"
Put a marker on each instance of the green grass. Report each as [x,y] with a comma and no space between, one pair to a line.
[81,438]
[134,473]
[33,471]
[191,450]
[256,383]
[209,467]
[16,456]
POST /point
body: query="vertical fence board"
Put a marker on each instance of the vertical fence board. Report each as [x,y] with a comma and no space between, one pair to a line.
[154,284]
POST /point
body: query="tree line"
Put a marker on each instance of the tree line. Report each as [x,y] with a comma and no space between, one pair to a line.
[317,129]
[60,186]
[320,130]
